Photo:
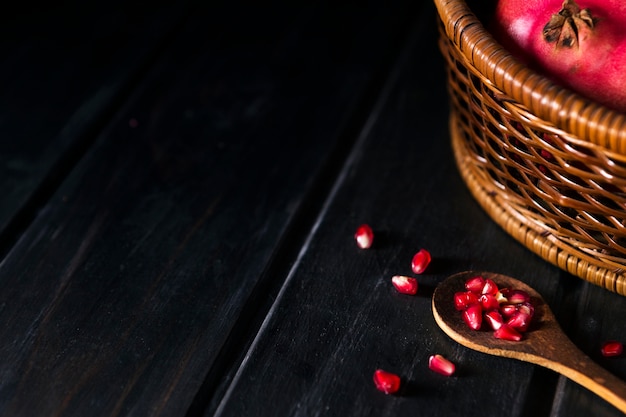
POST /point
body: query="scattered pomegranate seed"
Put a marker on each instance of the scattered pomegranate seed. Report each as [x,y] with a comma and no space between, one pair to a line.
[386,382]
[364,236]
[441,365]
[464,299]
[506,332]
[405,285]
[473,316]
[612,348]
[420,261]
[475,285]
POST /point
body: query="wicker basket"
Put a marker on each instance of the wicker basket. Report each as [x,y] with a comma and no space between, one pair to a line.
[546,164]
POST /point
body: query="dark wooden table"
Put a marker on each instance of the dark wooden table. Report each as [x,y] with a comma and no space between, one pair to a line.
[181,182]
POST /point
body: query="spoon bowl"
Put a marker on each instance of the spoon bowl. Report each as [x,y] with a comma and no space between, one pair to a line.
[544,343]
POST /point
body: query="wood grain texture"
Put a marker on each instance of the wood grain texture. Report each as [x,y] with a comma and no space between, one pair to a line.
[598,317]
[338,318]
[126,288]
[544,344]
[196,257]
[66,69]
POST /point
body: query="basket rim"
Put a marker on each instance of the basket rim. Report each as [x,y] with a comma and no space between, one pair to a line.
[565,109]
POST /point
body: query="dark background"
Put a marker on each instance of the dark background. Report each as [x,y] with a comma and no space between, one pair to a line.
[181,182]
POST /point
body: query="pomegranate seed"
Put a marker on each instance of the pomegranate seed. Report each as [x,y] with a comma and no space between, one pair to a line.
[506,332]
[489,302]
[612,348]
[473,316]
[504,292]
[519,321]
[475,284]
[490,287]
[501,297]
[420,261]
[518,297]
[464,299]
[364,236]
[508,310]
[386,381]
[494,319]
[527,308]
[441,365]
[405,285]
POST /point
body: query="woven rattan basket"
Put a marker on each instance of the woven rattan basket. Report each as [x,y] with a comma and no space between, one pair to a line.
[546,164]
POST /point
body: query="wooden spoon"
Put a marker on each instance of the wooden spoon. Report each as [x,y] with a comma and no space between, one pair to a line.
[543,344]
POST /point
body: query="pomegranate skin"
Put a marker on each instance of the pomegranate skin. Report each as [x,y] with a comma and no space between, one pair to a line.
[595,66]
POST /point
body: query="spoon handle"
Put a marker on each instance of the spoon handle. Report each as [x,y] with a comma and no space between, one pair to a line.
[545,344]
[581,369]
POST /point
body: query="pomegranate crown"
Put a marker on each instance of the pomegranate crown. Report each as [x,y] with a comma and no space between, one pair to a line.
[563,27]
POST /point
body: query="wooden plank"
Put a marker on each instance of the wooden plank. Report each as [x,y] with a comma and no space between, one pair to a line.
[66,67]
[338,318]
[598,317]
[133,278]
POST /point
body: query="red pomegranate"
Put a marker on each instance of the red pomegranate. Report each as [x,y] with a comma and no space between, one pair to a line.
[581,45]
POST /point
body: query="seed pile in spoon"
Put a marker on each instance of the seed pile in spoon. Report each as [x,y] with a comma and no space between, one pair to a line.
[506,311]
